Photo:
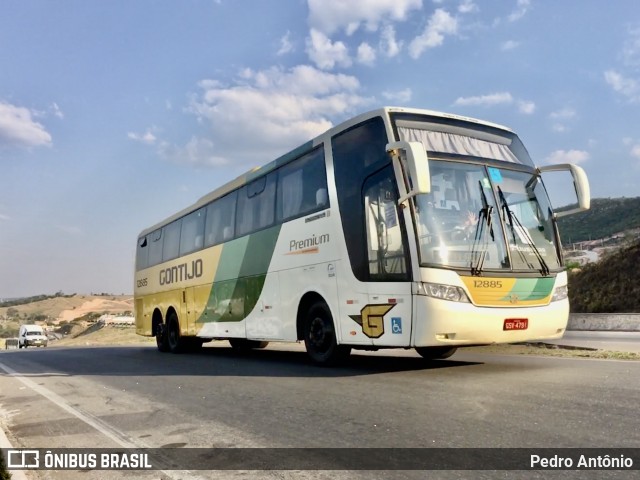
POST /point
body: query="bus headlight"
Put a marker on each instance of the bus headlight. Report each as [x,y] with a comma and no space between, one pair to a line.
[444,292]
[560,293]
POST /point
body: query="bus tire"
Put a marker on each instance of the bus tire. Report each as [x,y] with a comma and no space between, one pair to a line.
[436,353]
[242,344]
[320,337]
[175,341]
[161,337]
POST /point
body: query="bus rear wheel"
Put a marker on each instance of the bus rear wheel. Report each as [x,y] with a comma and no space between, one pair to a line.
[436,353]
[175,342]
[161,337]
[320,337]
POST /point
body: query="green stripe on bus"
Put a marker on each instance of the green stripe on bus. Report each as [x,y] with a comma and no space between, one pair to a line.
[531,289]
[240,276]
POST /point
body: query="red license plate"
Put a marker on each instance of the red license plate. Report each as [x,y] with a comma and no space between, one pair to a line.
[516,324]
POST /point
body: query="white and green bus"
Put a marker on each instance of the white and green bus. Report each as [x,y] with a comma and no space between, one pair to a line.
[399,228]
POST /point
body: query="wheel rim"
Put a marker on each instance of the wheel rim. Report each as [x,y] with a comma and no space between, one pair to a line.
[173,335]
[319,335]
[160,335]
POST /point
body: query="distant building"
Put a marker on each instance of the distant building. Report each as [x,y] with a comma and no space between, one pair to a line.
[116,320]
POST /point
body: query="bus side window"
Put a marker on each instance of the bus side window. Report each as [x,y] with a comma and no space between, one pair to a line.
[357,153]
[192,236]
[302,186]
[171,244]
[256,205]
[142,253]
[155,248]
[221,215]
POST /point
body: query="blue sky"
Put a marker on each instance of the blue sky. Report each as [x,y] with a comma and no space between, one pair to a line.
[115,114]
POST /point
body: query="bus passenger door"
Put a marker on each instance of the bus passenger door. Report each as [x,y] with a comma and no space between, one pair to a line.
[388,313]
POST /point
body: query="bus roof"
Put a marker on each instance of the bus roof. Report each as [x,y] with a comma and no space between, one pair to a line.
[256,172]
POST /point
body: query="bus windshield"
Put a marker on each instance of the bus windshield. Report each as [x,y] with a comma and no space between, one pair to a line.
[485,218]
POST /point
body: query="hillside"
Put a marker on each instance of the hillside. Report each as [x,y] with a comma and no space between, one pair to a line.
[608,286]
[67,307]
[60,309]
[606,217]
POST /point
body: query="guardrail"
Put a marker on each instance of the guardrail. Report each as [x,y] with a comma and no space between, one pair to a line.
[605,322]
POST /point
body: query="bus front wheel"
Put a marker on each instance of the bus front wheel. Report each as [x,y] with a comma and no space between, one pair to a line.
[320,337]
[436,353]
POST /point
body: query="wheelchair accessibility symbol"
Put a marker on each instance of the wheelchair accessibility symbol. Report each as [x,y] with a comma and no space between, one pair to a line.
[396,325]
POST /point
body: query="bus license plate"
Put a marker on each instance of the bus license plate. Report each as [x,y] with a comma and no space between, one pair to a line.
[516,324]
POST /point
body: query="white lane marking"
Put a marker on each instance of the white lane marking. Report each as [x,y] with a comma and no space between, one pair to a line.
[107,430]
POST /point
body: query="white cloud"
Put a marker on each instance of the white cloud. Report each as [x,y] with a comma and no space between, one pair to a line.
[502,98]
[628,87]
[509,45]
[563,114]
[18,128]
[400,96]
[4,217]
[330,16]
[265,113]
[197,152]
[285,44]
[366,54]
[388,43]
[521,10]
[467,6]
[635,151]
[440,24]
[55,111]
[560,118]
[325,53]
[631,48]
[147,137]
[526,107]
[568,156]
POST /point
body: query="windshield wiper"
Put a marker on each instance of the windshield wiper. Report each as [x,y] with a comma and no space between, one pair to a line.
[524,235]
[484,218]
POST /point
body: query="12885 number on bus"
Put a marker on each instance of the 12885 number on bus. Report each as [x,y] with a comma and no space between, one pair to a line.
[487,284]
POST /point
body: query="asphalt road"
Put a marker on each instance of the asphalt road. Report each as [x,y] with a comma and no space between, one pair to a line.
[137,397]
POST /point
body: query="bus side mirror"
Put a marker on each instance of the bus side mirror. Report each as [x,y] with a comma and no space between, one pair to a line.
[411,158]
[580,183]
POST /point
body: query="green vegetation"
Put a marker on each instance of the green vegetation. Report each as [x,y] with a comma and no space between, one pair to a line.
[606,217]
[36,298]
[608,286]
